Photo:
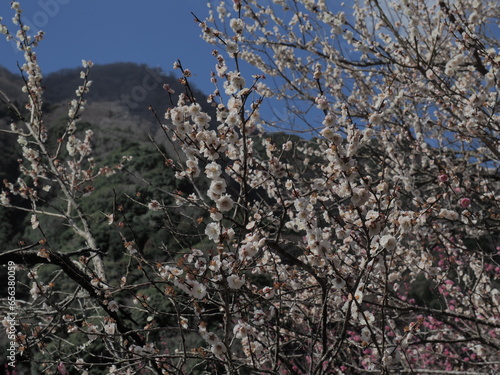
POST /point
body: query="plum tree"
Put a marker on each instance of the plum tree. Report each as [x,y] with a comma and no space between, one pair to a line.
[363,239]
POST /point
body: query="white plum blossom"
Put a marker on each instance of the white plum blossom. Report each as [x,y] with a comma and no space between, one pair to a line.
[176,116]
[34,221]
[217,188]
[235,281]
[210,337]
[251,348]
[375,118]
[213,231]
[198,291]
[268,292]
[248,250]
[110,328]
[242,329]
[448,214]
[218,349]
[359,196]
[237,25]
[202,119]
[213,170]
[113,306]
[154,205]
[405,224]
[92,332]
[216,216]
[231,47]
[388,242]
[37,289]
[183,128]
[225,203]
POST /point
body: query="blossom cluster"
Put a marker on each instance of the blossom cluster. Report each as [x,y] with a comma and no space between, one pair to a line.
[370,245]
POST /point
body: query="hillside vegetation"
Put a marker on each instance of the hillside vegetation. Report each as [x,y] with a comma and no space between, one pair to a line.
[118,113]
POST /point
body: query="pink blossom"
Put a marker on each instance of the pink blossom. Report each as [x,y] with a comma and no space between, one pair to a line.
[443,177]
[464,202]
[62,368]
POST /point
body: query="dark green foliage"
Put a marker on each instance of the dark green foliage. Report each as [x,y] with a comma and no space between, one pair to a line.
[9,170]
[424,292]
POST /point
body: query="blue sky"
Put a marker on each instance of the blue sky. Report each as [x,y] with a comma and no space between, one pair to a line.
[153,32]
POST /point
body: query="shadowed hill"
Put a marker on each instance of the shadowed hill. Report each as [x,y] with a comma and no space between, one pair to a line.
[133,86]
[128,85]
[118,101]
